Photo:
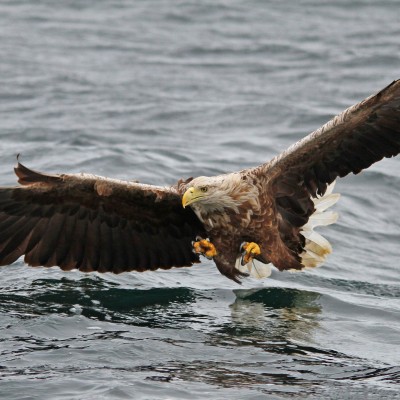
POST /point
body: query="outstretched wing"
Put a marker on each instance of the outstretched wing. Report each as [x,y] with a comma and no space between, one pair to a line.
[94,224]
[350,142]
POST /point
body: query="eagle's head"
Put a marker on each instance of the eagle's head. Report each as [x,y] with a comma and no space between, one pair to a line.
[210,194]
[203,191]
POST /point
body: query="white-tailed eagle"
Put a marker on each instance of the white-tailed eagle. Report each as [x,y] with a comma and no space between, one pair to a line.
[242,220]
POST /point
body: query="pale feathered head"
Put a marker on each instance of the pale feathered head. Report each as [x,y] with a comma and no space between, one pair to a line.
[217,192]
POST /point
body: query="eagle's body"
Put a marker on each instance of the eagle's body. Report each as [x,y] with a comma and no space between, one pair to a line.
[98,224]
[238,214]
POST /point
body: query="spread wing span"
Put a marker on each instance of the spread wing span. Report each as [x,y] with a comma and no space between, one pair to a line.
[350,142]
[93,223]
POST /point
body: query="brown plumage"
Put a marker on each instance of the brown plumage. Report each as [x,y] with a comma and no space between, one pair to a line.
[94,224]
[97,224]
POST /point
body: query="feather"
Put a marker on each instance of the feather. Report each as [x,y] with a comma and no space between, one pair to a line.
[321,219]
[254,268]
[323,203]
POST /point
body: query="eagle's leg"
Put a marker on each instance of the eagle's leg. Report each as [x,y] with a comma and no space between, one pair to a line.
[204,247]
[249,251]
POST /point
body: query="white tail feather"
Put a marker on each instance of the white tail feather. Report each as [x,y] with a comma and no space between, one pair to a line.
[321,219]
[309,254]
[317,242]
[317,247]
[324,202]
[329,188]
[310,259]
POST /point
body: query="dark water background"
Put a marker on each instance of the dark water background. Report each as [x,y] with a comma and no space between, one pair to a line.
[158,90]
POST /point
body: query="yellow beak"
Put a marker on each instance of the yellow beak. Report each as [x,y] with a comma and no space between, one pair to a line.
[191,196]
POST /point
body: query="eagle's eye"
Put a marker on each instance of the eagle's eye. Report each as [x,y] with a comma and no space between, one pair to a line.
[204,189]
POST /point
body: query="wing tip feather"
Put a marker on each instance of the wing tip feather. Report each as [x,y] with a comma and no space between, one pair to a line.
[28,176]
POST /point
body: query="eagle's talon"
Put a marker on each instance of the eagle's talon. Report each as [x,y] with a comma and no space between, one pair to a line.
[204,247]
[249,251]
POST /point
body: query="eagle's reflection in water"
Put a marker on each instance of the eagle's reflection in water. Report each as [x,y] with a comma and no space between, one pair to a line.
[276,313]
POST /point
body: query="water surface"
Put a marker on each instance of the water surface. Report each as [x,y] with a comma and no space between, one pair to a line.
[156,91]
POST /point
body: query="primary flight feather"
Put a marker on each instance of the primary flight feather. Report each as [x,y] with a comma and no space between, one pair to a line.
[242,220]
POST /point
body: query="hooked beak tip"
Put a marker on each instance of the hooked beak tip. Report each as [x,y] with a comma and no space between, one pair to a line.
[187,197]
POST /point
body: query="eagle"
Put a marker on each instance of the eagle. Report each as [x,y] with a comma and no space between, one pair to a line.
[244,221]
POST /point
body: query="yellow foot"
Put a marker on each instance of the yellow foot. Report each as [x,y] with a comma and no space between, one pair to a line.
[249,251]
[204,247]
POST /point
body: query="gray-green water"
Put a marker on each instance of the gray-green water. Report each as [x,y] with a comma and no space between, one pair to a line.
[155,91]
